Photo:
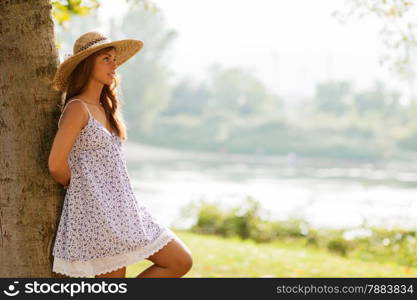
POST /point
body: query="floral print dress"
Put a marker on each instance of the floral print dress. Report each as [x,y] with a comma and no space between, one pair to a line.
[102,227]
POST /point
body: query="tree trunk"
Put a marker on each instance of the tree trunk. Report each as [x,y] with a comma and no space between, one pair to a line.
[30,200]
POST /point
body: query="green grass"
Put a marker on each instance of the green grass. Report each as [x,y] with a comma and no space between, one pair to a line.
[215,256]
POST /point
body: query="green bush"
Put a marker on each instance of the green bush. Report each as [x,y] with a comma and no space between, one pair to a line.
[263,231]
[381,245]
[338,245]
[209,219]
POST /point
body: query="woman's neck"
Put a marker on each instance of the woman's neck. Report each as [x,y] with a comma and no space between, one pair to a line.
[92,92]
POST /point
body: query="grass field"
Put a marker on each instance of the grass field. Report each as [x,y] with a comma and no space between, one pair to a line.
[214,256]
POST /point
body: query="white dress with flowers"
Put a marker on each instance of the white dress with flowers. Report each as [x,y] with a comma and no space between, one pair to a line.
[103,227]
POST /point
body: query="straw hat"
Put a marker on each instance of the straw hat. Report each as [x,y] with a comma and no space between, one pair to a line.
[86,45]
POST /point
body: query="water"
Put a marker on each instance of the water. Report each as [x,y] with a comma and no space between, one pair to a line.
[325,193]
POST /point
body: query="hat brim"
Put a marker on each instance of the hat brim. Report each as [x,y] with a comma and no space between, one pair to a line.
[125,49]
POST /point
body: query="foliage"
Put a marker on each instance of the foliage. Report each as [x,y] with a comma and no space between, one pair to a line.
[398,30]
[240,91]
[225,89]
[63,10]
[187,99]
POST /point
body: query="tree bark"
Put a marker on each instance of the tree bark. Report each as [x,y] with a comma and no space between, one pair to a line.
[30,200]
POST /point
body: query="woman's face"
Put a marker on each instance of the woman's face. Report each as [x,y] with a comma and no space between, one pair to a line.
[105,67]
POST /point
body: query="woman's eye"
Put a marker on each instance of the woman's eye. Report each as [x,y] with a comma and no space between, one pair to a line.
[108,59]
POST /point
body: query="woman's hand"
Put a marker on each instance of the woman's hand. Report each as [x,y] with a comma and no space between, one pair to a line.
[67,184]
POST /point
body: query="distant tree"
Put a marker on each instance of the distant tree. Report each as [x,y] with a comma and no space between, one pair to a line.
[187,98]
[339,98]
[146,84]
[239,91]
[378,101]
[334,97]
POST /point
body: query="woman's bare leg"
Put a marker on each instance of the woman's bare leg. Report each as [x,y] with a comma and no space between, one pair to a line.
[120,273]
[173,260]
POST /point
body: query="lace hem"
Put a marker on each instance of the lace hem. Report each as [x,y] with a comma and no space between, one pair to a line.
[107,264]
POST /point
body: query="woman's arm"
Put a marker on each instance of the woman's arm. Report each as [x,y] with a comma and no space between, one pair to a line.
[62,176]
[74,118]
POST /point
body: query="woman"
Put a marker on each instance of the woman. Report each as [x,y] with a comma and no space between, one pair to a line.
[103,228]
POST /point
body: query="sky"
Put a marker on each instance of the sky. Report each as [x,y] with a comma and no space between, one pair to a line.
[289,45]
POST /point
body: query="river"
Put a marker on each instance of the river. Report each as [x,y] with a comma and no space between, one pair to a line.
[326,193]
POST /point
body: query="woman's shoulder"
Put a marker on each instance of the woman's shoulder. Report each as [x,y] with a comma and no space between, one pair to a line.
[76,97]
[74,111]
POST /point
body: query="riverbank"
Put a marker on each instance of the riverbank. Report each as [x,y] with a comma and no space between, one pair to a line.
[215,256]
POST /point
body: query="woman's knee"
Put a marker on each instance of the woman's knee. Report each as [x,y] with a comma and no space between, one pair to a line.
[175,255]
[183,263]
[180,262]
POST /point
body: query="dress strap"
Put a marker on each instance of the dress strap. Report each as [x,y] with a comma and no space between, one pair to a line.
[66,105]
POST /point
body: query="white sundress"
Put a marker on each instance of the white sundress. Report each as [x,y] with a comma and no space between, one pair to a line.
[102,227]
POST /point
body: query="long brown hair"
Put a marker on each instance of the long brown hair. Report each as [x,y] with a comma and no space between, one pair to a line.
[111,103]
